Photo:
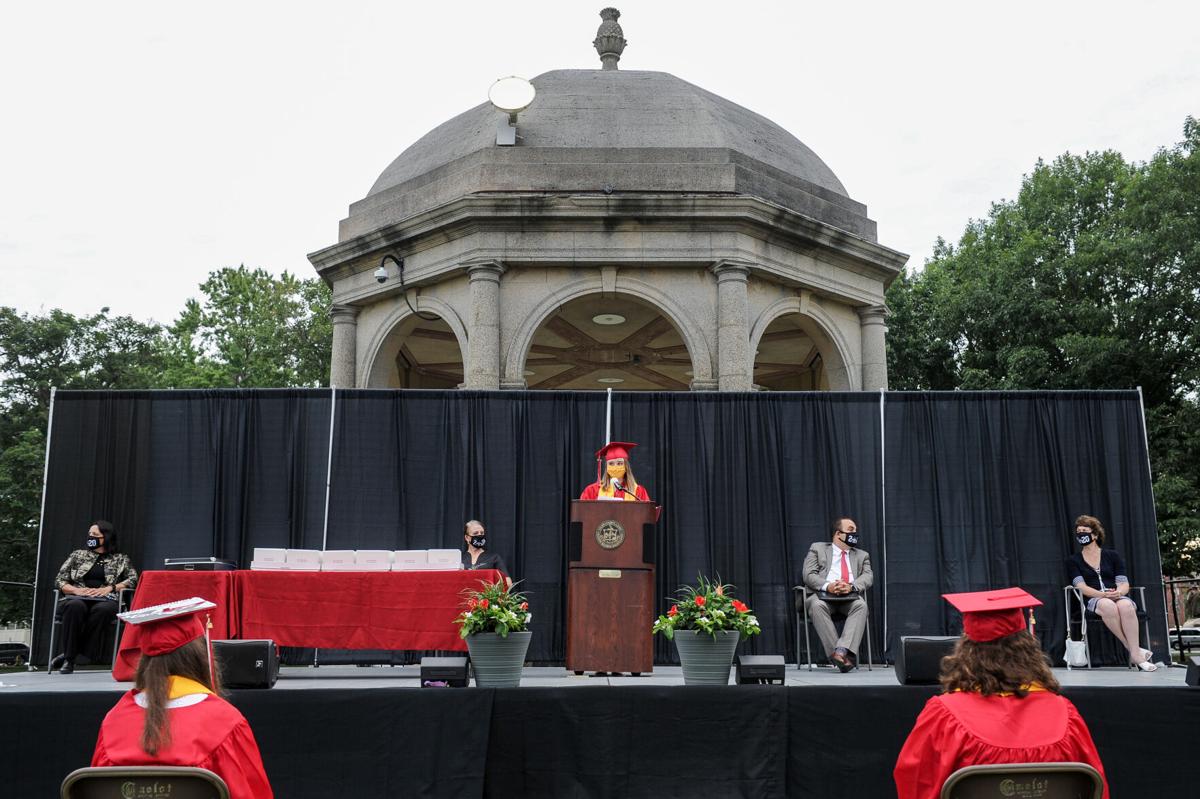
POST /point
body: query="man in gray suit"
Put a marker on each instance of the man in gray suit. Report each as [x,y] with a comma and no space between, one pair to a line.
[837,573]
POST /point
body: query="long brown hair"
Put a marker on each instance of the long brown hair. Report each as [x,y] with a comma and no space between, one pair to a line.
[153,676]
[1007,665]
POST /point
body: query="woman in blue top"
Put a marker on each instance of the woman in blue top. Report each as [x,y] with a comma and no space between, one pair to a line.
[1099,574]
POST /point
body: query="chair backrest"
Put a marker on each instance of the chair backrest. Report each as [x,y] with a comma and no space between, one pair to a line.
[129,782]
[1025,781]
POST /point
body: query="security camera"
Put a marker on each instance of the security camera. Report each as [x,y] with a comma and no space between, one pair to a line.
[381,274]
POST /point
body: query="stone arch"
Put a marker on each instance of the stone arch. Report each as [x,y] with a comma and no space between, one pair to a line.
[823,330]
[383,347]
[698,349]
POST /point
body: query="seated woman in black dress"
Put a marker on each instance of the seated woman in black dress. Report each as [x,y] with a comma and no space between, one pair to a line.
[1099,574]
[476,555]
[90,581]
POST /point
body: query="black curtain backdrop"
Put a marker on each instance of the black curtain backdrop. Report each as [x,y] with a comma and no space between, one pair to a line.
[953,492]
[182,474]
[983,489]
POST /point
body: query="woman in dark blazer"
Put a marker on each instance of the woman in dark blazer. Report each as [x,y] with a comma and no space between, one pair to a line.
[90,582]
[1099,574]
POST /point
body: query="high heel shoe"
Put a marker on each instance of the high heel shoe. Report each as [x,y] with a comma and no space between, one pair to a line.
[1147,665]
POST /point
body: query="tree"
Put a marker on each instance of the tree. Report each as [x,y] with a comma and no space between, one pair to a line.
[1089,279]
[251,330]
[60,350]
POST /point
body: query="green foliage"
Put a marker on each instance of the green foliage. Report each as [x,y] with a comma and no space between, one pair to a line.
[1089,279]
[250,330]
[709,607]
[495,608]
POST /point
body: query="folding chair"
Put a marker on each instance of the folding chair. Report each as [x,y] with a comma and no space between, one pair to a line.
[1088,619]
[1043,780]
[801,592]
[177,782]
[123,600]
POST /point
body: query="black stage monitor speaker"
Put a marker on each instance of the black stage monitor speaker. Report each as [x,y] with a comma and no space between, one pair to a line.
[920,658]
[247,664]
[454,672]
[759,669]
[1193,672]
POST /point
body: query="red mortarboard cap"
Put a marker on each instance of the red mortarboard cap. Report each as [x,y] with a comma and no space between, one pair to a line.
[614,449]
[164,628]
[988,615]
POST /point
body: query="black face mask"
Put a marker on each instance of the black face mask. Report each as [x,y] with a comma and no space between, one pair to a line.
[479,541]
[851,539]
[1083,538]
[93,542]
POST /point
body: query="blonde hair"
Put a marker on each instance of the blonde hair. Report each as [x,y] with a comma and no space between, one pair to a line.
[631,483]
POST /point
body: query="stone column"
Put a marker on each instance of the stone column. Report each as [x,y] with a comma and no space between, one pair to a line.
[735,365]
[483,334]
[872,322]
[345,345]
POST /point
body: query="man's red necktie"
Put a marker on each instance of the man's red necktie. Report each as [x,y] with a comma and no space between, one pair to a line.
[845,569]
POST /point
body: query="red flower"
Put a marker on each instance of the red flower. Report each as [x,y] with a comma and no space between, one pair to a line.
[483,603]
[524,606]
[674,611]
[700,600]
[471,603]
[740,606]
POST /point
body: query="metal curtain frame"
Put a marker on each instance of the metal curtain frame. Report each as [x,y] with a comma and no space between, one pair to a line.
[37,564]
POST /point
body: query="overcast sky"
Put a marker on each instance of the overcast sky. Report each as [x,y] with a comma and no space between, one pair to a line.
[146,144]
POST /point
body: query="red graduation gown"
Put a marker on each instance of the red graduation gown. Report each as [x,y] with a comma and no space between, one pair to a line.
[593,492]
[969,729]
[211,734]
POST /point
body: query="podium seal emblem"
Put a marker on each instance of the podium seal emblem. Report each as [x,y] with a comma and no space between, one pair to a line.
[610,534]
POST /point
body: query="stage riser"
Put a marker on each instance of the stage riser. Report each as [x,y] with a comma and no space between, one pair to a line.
[753,741]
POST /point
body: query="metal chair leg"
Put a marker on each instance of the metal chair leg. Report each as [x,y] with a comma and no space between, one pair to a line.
[807,645]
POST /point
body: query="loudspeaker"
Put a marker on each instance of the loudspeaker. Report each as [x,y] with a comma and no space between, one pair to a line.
[759,669]
[1192,677]
[453,671]
[920,658]
[247,664]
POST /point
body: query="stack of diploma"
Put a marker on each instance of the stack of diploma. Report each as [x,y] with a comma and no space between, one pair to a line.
[356,560]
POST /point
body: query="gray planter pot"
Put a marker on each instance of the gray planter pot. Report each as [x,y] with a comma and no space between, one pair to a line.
[706,661]
[497,661]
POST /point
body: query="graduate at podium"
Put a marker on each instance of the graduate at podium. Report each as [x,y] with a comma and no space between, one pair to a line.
[614,475]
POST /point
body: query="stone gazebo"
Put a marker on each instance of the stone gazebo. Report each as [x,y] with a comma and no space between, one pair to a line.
[641,234]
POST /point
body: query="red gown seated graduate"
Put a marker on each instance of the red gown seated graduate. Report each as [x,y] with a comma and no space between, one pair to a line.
[1002,703]
[174,717]
[614,475]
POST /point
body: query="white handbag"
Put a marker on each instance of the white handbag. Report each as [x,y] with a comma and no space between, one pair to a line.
[1076,654]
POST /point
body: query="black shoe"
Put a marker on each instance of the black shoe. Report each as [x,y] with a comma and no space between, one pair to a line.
[57,662]
[67,667]
[841,661]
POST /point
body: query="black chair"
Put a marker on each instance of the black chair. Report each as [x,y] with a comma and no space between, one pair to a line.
[1043,780]
[1079,616]
[800,595]
[176,782]
[123,601]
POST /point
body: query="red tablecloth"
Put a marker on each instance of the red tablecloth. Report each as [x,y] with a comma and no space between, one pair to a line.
[333,610]
[157,587]
[356,610]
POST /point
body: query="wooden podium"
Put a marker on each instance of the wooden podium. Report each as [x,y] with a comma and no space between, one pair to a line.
[610,586]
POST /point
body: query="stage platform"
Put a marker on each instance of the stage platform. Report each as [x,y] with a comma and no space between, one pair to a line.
[372,732]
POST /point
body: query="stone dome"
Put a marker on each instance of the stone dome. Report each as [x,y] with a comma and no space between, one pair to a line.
[619,132]
[621,109]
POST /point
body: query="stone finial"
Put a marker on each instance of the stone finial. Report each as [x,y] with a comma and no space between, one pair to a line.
[610,39]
